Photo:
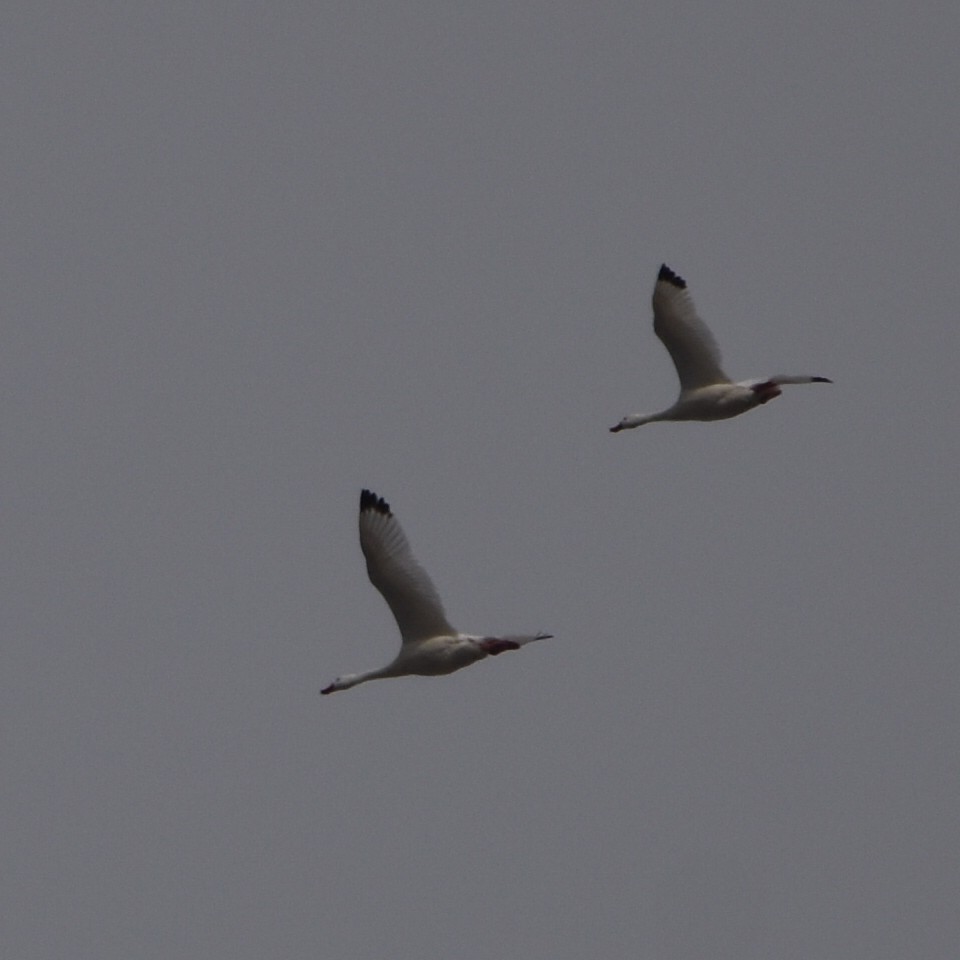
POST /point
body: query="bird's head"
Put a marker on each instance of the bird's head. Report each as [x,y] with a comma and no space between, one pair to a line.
[342,683]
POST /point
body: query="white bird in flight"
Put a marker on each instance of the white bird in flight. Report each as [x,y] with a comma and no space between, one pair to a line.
[706,392]
[430,646]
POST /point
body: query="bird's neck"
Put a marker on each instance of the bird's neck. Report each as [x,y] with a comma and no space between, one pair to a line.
[355,679]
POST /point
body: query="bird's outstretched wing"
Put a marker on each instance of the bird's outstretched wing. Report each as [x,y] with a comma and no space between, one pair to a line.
[687,338]
[394,571]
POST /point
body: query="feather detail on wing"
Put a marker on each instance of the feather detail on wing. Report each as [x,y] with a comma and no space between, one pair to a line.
[687,338]
[394,571]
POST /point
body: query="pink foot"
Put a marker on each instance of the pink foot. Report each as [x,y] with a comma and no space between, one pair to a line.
[766,391]
[494,645]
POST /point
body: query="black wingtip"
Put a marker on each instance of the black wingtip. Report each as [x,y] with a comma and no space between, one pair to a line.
[370,501]
[822,380]
[668,276]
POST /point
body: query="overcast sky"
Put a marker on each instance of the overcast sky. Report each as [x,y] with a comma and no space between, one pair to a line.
[259,255]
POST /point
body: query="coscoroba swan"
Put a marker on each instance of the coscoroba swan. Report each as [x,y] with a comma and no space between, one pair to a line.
[429,645]
[706,392]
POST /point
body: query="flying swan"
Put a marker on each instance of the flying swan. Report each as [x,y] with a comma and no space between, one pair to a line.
[430,646]
[706,392]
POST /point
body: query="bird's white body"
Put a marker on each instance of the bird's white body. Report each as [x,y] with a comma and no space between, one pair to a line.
[706,392]
[430,647]
[436,657]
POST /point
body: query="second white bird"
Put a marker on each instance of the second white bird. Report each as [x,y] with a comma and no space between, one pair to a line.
[430,646]
[706,392]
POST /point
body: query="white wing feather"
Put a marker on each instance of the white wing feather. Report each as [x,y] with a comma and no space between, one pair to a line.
[394,571]
[687,338]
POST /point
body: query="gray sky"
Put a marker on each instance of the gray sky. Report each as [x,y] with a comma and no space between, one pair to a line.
[258,256]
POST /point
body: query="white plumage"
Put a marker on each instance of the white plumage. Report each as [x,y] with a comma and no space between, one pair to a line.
[706,392]
[430,646]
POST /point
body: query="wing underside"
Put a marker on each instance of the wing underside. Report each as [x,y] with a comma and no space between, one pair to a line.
[688,340]
[395,572]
